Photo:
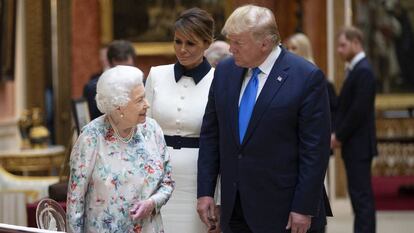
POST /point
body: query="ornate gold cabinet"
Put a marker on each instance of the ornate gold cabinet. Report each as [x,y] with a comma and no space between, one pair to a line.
[395,134]
[30,161]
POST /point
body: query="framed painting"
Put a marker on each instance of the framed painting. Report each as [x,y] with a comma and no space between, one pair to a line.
[389,44]
[149,24]
[389,41]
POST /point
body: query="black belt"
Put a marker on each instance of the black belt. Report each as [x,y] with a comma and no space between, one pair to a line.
[178,142]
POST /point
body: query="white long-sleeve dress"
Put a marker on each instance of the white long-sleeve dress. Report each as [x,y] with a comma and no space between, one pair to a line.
[178,106]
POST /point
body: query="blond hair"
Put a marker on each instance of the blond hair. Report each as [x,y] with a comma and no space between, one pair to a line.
[260,21]
[303,46]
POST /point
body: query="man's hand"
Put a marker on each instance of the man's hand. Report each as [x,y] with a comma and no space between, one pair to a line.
[217,228]
[142,209]
[334,142]
[206,211]
[298,223]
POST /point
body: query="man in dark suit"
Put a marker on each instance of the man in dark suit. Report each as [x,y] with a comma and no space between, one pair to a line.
[355,127]
[266,131]
[119,52]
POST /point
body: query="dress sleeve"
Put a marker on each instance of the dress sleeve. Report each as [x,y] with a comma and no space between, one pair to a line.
[167,184]
[149,91]
[82,161]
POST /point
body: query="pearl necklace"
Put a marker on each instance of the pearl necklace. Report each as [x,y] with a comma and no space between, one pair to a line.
[126,139]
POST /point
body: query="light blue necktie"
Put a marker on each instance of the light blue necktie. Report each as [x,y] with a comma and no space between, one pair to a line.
[247,102]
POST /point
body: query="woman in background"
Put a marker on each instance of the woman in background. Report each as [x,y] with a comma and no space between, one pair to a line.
[178,96]
[299,44]
[120,173]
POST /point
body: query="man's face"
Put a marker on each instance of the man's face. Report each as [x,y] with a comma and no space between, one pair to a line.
[247,51]
[346,48]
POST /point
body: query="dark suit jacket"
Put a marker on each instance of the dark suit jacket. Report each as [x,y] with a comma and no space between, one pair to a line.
[333,103]
[89,93]
[281,164]
[355,116]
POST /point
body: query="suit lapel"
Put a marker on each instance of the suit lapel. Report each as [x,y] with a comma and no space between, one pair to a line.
[274,82]
[347,82]
[233,101]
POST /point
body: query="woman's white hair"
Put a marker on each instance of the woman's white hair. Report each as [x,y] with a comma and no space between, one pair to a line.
[250,18]
[217,51]
[115,85]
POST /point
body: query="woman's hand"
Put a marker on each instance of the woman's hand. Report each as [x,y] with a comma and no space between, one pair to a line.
[142,209]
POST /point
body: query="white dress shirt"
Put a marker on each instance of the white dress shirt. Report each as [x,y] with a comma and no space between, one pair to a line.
[355,60]
[265,68]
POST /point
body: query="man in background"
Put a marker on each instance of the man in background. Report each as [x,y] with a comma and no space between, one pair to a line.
[218,51]
[119,52]
[355,127]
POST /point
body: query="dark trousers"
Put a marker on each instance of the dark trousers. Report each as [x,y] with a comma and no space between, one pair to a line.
[238,224]
[361,194]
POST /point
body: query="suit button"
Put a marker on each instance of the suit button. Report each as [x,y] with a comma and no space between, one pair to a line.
[234,184]
[240,156]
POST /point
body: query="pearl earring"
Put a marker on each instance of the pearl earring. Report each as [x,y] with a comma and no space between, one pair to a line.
[122,115]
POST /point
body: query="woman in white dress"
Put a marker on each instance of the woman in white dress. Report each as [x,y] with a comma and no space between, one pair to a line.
[178,96]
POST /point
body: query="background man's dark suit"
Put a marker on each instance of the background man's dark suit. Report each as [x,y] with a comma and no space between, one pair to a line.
[89,93]
[119,52]
[355,129]
[281,163]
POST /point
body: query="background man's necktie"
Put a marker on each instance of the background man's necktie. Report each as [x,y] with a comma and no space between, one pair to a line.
[247,102]
[347,71]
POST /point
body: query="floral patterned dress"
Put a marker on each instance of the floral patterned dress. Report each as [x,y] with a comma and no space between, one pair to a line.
[108,176]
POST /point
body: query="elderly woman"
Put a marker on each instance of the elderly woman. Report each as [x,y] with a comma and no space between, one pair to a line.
[120,172]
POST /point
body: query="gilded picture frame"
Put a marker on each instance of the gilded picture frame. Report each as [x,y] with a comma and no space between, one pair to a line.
[388,27]
[150,42]
[389,45]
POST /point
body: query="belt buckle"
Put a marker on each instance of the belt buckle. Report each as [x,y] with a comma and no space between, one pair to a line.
[177,142]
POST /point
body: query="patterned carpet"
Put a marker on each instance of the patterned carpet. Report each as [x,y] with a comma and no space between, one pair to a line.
[394,193]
